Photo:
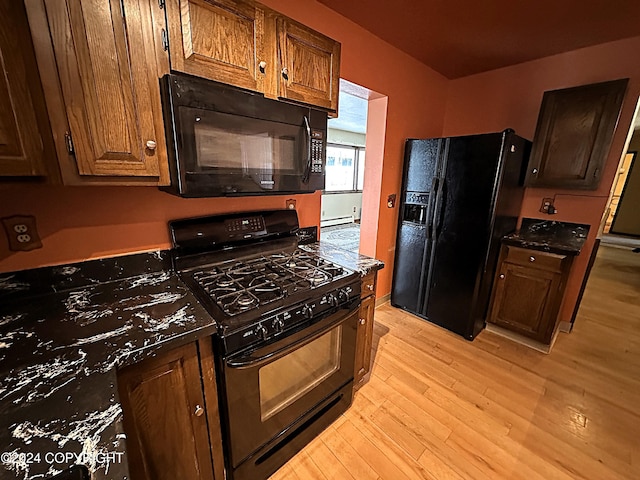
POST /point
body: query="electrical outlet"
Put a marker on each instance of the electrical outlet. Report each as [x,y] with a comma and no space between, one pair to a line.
[22,233]
[548,207]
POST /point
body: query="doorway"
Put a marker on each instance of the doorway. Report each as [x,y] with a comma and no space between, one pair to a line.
[341,201]
[622,222]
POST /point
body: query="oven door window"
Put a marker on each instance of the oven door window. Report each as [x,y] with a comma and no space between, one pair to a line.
[290,377]
[221,142]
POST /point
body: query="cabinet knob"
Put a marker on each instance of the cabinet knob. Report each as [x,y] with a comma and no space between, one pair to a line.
[370,287]
[502,275]
[362,321]
[532,259]
[198,411]
[151,145]
[262,65]
[285,73]
[534,171]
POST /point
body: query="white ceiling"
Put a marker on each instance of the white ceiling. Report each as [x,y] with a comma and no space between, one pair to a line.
[352,114]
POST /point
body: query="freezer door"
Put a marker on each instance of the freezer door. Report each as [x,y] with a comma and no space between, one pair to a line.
[415,223]
[421,164]
[411,248]
[463,215]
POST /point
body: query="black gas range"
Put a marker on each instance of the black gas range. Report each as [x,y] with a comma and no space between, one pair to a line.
[287,322]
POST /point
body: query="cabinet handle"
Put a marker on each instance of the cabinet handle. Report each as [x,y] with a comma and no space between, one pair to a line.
[151,145]
[532,259]
[370,287]
[502,275]
[534,171]
[285,73]
[198,411]
[362,321]
[262,65]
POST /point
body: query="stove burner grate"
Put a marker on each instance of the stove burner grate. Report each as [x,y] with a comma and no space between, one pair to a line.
[237,286]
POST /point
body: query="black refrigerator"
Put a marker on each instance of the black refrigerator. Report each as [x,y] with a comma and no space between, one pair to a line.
[460,196]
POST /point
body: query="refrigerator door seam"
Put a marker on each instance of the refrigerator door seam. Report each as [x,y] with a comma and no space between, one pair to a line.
[442,166]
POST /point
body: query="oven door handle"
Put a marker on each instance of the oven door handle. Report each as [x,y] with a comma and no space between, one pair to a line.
[307,170]
[273,352]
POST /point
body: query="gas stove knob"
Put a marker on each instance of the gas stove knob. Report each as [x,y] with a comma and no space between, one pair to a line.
[278,324]
[333,300]
[261,332]
[343,295]
[307,311]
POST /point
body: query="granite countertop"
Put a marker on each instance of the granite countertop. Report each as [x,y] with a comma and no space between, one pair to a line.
[63,332]
[549,236]
[354,261]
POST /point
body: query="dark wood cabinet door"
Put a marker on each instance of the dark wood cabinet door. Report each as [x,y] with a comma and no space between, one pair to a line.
[106,58]
[218,39]
[164,417]
[573,135]
[22,111]
[310,65]
[364,338]
[526,300]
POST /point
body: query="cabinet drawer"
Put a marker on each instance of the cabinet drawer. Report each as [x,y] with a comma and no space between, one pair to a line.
[535,259]
[368,285]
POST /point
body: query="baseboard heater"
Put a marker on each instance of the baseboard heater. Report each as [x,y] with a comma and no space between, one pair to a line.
[336,221]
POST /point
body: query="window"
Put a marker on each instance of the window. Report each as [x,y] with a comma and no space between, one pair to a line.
[344,168]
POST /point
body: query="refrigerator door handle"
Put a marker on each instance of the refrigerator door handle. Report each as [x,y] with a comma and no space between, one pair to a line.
[439,211]
[434,188]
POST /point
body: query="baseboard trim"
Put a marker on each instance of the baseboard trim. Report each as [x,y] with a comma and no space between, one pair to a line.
[329,222]
[527,342]
[382,300]
[565,327]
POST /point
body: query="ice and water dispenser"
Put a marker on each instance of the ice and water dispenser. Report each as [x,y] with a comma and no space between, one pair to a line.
[415,208]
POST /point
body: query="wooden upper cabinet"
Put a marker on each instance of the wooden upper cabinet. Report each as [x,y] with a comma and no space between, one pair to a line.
[573,136]
[217,39]
[310,65]
[23,118]
[105,54]
[245,44]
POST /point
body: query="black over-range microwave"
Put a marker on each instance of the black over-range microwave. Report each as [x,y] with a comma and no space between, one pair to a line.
[223,141]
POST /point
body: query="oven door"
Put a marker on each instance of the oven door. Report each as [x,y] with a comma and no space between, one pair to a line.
[271,391]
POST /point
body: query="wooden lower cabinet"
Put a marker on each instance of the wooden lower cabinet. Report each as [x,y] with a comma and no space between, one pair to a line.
[169,405]
[364,339]
[528,292]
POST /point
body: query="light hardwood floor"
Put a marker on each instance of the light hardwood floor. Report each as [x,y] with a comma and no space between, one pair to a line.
[439,407]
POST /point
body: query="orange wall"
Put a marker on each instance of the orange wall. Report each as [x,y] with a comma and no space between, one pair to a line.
[78,223]
[511,97]
[415,108]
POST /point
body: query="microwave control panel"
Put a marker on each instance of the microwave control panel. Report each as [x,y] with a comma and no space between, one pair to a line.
[317,157]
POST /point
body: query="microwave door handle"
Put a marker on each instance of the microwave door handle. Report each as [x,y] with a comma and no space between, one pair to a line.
[307,171]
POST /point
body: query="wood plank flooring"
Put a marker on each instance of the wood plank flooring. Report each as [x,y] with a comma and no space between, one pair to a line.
[438,407]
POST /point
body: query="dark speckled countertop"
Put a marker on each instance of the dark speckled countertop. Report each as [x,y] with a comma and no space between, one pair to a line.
[63,332]
[549,236]
[351,260]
